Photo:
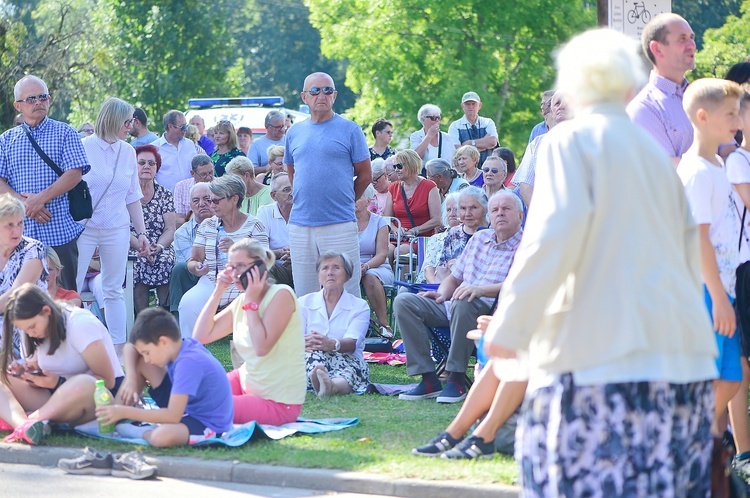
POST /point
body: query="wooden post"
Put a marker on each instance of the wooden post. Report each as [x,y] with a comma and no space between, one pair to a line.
[602,13]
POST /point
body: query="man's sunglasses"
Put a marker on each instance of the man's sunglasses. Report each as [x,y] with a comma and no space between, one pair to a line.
[494,170]
[327,90]
[31,99]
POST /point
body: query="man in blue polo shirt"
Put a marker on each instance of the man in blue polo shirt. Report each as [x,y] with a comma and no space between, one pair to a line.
[323,154]
[27,176]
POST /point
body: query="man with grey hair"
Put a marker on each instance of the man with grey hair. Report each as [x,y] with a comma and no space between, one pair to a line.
[546,107]
[469,291]
[27,175]
[181,280]
[669,43]
[204,141]
[473,129]
[275,129]
[275,218]
[201,170]
[176,151]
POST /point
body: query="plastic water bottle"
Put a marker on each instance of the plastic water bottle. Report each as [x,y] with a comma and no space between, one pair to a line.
[102,397]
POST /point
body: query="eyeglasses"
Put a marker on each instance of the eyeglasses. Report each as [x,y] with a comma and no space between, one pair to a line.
[494,170]
[31,99]
[216,200]
[398,166]
[129,122]
[143,162]
[387,132]
[433,118]
[277,128]
[278,163]
[182,128]
[327,90]
[87,131]
[205,176]
[376,180]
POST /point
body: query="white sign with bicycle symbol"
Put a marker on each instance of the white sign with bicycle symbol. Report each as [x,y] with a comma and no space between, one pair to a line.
[630,16]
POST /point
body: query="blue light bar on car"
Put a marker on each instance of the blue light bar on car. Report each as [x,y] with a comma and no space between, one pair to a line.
[237,101]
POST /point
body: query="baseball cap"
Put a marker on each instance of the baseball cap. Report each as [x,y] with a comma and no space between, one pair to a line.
[471,96]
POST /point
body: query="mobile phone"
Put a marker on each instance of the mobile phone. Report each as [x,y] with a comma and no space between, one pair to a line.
[261,270]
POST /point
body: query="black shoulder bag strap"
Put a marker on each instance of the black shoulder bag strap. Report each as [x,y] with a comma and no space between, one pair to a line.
[41,153]
[406,206]
[440,143]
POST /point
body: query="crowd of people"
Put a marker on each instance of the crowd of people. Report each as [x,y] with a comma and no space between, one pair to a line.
[589,312]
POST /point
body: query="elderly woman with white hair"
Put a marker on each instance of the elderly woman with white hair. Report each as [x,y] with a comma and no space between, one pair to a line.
[335,324]
[430,142]
[603,303]
[445,177]
[382,199]
[373,253]
[494,174]
[116,196]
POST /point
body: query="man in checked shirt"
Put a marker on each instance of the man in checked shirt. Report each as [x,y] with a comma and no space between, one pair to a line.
[469,291]
[26,175]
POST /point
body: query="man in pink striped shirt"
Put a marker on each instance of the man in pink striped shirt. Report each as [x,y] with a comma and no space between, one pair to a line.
[669,43]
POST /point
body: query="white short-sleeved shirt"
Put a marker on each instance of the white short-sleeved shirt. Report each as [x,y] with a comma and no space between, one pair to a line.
[711,201]
[446,151]
[278,234]
[82,328]
[738,171]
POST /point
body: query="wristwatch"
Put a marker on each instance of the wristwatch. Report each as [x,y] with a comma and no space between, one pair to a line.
[336,345]
[474,143]
[250,305]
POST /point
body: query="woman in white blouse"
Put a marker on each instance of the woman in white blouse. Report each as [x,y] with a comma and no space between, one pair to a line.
[335,324]
[430,142]
[116,195]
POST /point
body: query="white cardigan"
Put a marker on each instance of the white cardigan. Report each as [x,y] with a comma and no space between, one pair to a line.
[607,276]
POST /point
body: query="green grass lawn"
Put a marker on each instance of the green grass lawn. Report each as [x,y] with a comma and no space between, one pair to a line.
[381,443]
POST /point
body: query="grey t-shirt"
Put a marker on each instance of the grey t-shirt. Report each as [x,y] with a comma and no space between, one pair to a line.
[258,152]
[145,139]
[323,155]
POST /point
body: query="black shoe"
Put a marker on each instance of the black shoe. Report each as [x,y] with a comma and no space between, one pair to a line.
[443,442]
[470,448]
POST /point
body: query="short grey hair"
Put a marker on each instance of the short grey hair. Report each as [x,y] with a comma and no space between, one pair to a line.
[345,260]
[274,116]
[439,166]
[477,194]
[11,207]
[198,185]
[199,160]
[112,116]
[452,197]
[229,185]
[377,166]
[516,199]
[276,178]
[171,117]
[19,84]
[240,165]
[428,109]
[499,159]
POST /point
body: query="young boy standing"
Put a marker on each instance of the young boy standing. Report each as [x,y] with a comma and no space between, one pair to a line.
[713,108]
[186,381]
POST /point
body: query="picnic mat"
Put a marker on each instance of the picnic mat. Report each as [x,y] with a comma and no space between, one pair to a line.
[238,436]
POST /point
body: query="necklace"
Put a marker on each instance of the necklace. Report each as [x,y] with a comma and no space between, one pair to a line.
[476,175]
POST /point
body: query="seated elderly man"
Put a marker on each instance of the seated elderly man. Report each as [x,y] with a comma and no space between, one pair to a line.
[201,170]
[181,279]
[468,292]
[275,217]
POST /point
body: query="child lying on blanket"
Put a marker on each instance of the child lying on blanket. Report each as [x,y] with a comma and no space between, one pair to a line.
[186,381]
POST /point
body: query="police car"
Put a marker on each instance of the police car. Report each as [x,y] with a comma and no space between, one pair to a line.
[241,111]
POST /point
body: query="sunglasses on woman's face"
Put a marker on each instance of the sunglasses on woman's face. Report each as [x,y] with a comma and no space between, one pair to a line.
[398,166]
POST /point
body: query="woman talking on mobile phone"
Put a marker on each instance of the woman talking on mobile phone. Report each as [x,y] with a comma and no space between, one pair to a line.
[68,350]
[269,387]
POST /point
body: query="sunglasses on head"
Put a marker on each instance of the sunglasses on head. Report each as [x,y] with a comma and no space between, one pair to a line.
[487,170]
[398,166]
[31,99]
[327,90]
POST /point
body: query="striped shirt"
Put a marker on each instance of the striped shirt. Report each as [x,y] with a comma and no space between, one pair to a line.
[658,110]
[109,203]
[26,172]
[486,261]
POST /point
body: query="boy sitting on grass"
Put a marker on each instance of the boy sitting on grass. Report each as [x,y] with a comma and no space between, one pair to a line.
[188,384]
[713,108]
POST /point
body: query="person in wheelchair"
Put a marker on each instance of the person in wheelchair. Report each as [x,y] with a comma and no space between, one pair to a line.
[469,291]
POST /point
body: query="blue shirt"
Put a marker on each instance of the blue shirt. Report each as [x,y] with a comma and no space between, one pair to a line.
[196,373]
[207,144]
[323,155]
[258,151]
[539,129]
[26,172]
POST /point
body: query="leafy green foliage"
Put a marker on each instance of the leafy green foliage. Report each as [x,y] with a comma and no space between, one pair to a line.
[725,46]
[405,53]
[705,14]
